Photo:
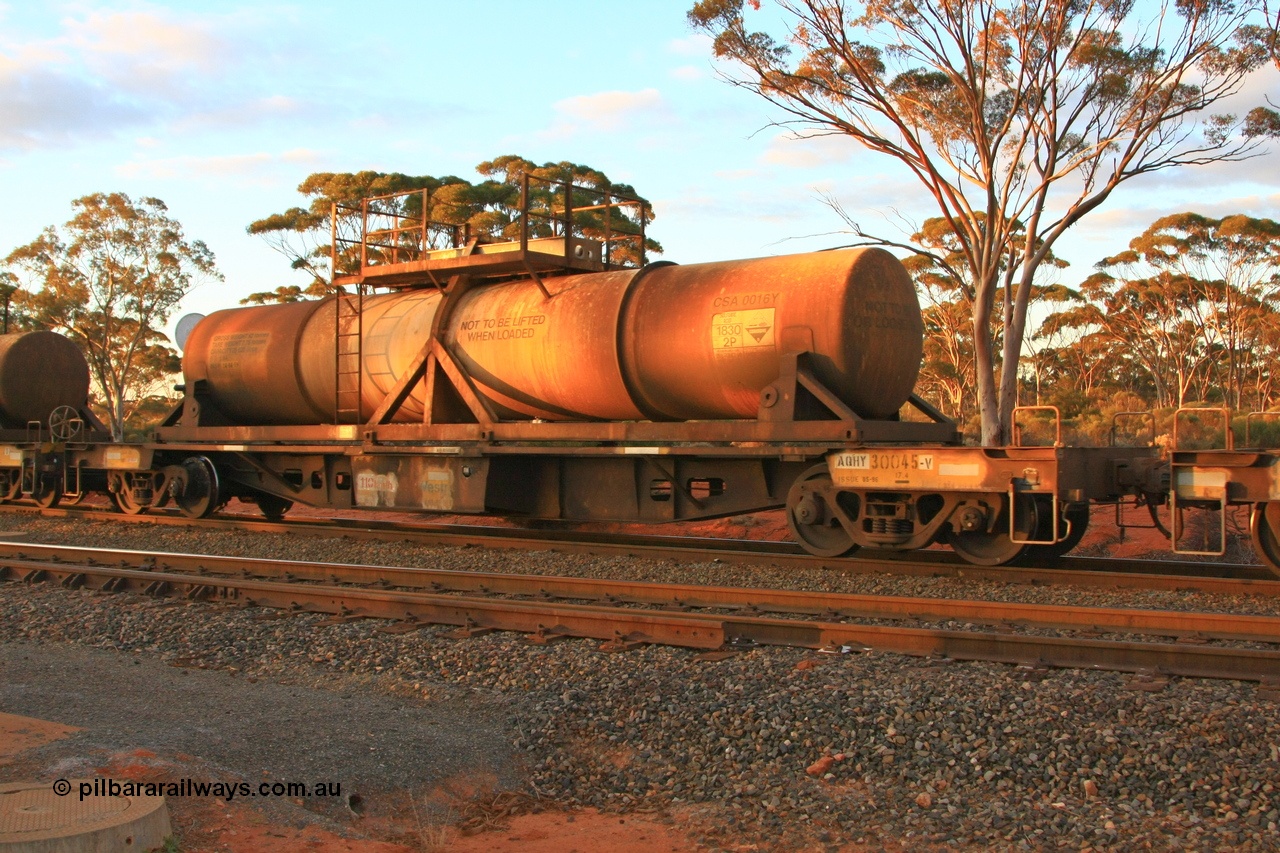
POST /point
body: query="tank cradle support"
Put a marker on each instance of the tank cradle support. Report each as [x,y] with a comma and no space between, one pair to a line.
[440,364]
[450,394]
[798,395]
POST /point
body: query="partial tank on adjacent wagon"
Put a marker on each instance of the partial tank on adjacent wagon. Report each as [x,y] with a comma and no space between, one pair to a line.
[40,373]
[44,394]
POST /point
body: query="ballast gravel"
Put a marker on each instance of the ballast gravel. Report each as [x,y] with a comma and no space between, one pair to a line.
[772,747]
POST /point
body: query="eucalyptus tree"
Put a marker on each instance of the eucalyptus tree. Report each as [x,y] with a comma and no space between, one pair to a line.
[109,279]
[949,369]
[488,209]
[1011,115]
[305,235]
[1158,323]
[1236,259]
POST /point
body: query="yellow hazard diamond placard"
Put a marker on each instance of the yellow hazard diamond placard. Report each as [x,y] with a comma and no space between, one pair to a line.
[742,329]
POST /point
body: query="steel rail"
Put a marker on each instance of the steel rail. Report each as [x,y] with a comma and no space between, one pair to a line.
[624,626]
[1091,572]
[1185,624]
[627,626]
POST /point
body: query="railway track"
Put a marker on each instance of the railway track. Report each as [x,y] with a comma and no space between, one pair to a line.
[1106,573]
[625,614]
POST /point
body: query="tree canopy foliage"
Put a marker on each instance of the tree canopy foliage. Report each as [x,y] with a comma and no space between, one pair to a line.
[1017,118]
[488,209]
[1187,312]
[109,279]
[1185,316]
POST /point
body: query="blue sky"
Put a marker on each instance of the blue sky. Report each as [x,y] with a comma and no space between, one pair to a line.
[222,108]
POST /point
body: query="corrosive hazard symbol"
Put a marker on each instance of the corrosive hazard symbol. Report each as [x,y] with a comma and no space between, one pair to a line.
[742,329]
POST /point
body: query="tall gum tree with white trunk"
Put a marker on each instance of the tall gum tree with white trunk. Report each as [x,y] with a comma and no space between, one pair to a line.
[1019,119]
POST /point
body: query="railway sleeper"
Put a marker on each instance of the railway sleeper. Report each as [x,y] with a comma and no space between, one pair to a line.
[113,585]
[157,588]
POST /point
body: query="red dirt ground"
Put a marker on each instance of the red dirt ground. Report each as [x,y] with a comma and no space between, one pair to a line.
[211,825]
[18,734]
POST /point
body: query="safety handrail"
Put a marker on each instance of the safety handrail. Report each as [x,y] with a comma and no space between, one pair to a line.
[1228,433]
[391,232]
[1149,416]
[1057,423]
[1248,419]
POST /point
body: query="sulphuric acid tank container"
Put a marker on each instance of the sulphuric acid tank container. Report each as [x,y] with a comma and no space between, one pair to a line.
[665,342]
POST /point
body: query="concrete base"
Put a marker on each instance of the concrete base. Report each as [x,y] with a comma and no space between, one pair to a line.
[34,819]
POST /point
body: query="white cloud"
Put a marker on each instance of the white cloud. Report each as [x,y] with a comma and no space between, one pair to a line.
[104,72]
[372,122]
[251,168]
[43,106]
[609,112]
[1258,87]
[300,155]
[250,112]
[1132,220]
[753,200]
[693,45]
[809,152]
[146,49]
[612,111]
[687,73]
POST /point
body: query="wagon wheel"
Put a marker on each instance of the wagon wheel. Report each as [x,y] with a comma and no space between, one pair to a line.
[810,515]
[199,495]
[1263,523]
[11,487]
[121,488]
[65,423]
[272,507]
[995,548]
[1077,514]
[47,491]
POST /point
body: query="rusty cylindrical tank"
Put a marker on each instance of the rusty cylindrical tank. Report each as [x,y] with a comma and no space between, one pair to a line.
[667,342]
[702,341]
[275,364]
[39,371]
[555,359]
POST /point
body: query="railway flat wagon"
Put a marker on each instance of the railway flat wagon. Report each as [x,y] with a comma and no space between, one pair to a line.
[545,377]
[1212,468]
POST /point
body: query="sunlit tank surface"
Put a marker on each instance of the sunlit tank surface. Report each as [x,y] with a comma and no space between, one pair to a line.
[39,371]
[702,341]
[664,343]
